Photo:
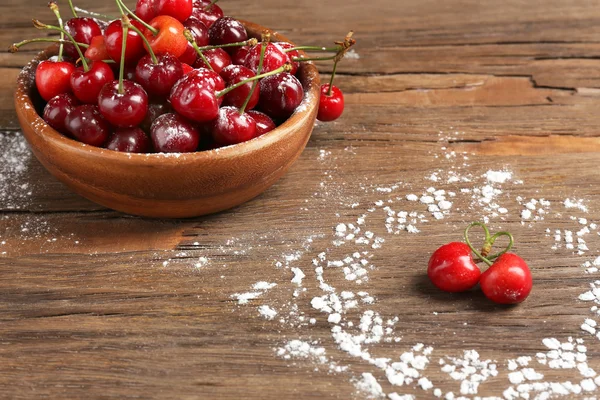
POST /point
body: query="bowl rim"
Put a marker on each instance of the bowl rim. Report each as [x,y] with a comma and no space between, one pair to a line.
[308,76]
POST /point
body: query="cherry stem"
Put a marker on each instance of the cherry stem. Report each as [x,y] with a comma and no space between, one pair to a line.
[489,242]
[314,48]
[263,50]
[209,7]
[94,14]
[15,47]
[125,22]
[40,25]
[72,9]
[249,42]
[330,91]
[146,42]
[284,68]
[487,238]
[190,38]
[122,7]
[54,7]
[510,244]
[296,59]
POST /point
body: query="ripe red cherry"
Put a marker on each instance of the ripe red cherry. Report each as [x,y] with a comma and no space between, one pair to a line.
[206,12]
[264,123]
[274,58]
[330,107]
[155,110]
[178,9]
[158,79]
[217,58]
[199,32]
[172,133]
[227,30]
[57,110]
[452,269]
[83,30]
[87,85]
[53,78]
[194,95]
[292,54]
[146,9]
[234,74]
[97,50]
[239,56]
[508,280]
[113,39]
[123,110]
[231,127]
[280,94]
[129,140]
[86,124]
[169,39]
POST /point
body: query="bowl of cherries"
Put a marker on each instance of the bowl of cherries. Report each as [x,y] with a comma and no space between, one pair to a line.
[173,109]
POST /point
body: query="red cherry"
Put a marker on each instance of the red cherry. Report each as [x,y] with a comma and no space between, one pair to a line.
[186,68]
[274,58]
[231,127]
[508,280]
[240,55]
[234,74]
[291,54]
[113,39]
[452,269]
[206,13]
[264,123]
[53,78]
[87,125]
[155,110]
[158,79]
[227,30]
[57,110]
[87,85]
[217,58]
[330,107]
[194,95]
[146,9]
[129,140]
[126,109]
[83,30]
[97,50]
[178,9]
[169,39]
[280,94]
[199,32]
[172,133]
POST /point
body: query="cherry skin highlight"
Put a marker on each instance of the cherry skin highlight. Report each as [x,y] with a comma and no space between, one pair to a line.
[227,30]
[53,78]
[231,127]
[123,110]
[452,269]
[194,95]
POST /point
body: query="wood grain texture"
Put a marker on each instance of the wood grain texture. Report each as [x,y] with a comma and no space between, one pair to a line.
[96,304]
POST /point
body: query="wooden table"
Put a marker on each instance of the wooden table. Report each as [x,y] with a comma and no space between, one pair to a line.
[96,304]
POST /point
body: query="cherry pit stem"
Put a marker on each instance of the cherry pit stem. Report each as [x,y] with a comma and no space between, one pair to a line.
[54,7]
[488,243]
[15,46]
[284,68]
[263,49]
[330,90]
[249,42]
[126,23]
[40,25]
[72,9]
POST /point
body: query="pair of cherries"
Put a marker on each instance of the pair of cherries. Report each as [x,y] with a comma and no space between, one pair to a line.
[507,280]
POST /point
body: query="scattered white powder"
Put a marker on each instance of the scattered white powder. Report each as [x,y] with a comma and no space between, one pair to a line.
[267,312]
[15,190]
[498,176]
[369,387]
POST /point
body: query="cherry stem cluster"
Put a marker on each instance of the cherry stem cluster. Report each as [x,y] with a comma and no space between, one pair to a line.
[488,243]
[40,25]
[263,49]
[126,23]
[249,42]
[284,68]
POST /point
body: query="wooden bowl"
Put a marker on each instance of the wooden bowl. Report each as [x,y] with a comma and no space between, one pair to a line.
[169,185]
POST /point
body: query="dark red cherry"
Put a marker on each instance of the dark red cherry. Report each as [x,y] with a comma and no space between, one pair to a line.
[178,9]
[231,127]
[200,33]
[239,56]
[291,54]
[280,95]
[86,124]
[113,39]
[57,110]
[129,140]
[171,133]
[217,58]
[86,86]
[123,110]
[274,58]
[234,74]
[331,106]
[158,79]
[206,13]
[227,30]
[264,123]
[53,78]
[155,110]
[146,9]
[83,30]
[194,95]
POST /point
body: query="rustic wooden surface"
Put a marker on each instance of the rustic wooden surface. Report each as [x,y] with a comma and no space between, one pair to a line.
[96,304]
